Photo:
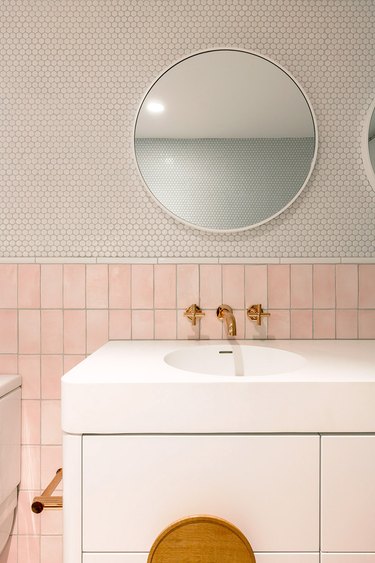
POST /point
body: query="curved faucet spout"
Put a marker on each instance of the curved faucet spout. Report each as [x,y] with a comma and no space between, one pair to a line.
[225,312]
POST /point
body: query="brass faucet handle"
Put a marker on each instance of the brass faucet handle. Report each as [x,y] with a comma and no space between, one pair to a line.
[255,313]
[193,313]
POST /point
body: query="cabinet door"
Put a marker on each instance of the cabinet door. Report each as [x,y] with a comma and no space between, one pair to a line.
[348,558]
[135,486]
[115,557]
[287,557]
[348,494]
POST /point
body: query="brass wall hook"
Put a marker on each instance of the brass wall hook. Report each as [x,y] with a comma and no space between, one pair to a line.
[193,313]
[255,313]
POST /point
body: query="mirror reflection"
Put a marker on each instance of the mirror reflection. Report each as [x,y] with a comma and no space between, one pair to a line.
[225,140]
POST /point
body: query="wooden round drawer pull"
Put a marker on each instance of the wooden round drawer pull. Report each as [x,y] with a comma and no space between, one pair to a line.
[203,539]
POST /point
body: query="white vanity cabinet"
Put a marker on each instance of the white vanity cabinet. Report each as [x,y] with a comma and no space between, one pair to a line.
[348,496]
[287,458]
[297,498]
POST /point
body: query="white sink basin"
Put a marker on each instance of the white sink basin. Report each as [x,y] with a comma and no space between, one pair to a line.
[188,387]
[236,359]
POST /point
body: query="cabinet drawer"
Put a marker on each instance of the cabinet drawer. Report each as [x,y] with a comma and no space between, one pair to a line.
[260,558]
[348,494]
[135,486]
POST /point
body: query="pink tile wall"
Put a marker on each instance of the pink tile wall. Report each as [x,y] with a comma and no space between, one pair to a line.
[53,315]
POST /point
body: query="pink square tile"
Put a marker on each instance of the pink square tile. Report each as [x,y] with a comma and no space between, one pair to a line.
[8,286]
[8,364]
[74,332]
[30,467]
[185,329]
[256,285]
[120,324]
[210,286]
[31,422]
[71,361]
[301,286]
[28,522]
[211,328]
[367,285]
[52,331]
[29,331]
[50,462]
[74,286]
[97,329]
[29,549]
[142,325]
[234,286]
[301,323]
[347,286]
[324,324]
[51,423]
[187,285]
[8,331]
[324,286]
[10,552]
[51,549]
[346,323]
[278,286]
[119,286]
[254,331]
[279,324]
[51,286]
[165,324]
[142,286]
[97,286]
[366,320]
[29,369]
[165,286]
[52,371]
[51,523]
[29,286]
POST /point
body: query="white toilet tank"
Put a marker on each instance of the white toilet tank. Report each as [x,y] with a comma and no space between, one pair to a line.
[10,451]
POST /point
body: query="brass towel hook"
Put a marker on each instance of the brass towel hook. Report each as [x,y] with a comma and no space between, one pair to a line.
[46,500]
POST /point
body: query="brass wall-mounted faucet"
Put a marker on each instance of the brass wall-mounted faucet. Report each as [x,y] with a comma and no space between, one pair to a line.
[225,313]
[255,313]
[193,313]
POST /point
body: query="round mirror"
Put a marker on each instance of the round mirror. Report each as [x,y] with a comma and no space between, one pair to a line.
[368,145]
[225,140]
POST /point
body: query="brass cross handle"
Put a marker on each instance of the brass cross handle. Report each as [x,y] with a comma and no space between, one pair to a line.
[193,313]
[255,313]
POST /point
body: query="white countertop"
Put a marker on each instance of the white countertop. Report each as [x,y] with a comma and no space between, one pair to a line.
[126,387]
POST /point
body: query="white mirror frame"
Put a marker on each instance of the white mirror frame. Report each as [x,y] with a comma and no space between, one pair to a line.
[365,148]
[313,161]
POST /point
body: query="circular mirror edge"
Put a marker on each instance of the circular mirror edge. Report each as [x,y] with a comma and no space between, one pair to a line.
[370,173]
[248,227]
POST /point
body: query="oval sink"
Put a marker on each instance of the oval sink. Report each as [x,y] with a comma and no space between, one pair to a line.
[237,359]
